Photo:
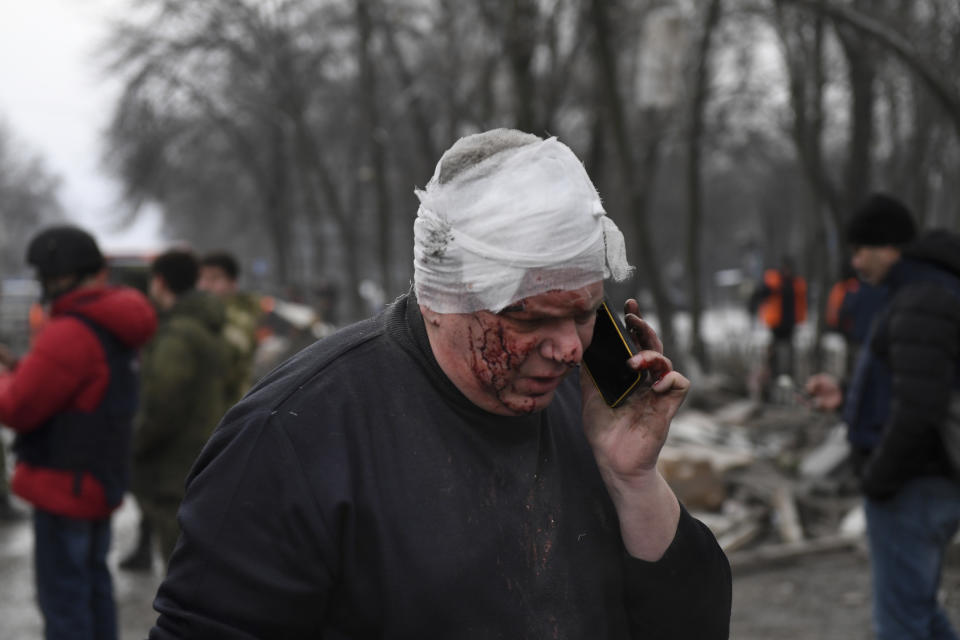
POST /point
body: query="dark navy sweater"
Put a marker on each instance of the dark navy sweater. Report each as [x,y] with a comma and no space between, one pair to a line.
[356,493]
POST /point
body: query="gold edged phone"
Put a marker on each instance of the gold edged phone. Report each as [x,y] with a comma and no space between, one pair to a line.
[606,359]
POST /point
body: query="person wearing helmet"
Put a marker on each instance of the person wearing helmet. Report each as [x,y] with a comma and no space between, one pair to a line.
[71,400]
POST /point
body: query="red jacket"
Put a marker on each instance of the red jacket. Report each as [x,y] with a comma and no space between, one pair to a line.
[67,370]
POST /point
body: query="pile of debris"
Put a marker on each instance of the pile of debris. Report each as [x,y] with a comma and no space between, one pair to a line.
[772,481]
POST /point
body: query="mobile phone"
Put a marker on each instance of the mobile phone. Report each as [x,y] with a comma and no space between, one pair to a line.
[606,359]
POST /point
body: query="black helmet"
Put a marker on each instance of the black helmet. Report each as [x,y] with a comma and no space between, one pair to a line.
[64,251]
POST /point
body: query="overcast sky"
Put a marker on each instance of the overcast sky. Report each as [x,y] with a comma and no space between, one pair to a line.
[56,102]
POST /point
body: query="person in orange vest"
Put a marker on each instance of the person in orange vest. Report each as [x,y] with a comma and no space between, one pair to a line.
[836,320]
[781,303]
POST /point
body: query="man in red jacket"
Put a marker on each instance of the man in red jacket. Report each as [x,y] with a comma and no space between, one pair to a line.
[71,400]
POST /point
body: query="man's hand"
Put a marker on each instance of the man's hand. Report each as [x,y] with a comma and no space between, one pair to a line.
[627,440]
[824,391]
[626,443]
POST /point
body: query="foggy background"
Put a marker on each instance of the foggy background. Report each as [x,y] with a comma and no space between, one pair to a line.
[722,136]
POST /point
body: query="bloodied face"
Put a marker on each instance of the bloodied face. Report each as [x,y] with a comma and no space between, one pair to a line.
[511,363]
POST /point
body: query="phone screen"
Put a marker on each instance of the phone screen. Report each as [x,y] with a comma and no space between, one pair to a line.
[606,359]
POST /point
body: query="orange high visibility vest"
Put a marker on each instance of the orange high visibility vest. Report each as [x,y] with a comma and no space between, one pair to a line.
[835,300]
[771,310]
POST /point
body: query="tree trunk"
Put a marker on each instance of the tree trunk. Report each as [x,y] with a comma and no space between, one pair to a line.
[376,137]
[862,76]
[419,120]
[701,89]
[316,175]
[519,42]
[276,204]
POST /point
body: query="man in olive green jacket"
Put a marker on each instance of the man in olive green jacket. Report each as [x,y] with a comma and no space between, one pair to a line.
[219,272]
[183,395]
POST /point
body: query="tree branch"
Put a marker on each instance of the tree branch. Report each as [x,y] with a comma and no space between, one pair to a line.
[937,84]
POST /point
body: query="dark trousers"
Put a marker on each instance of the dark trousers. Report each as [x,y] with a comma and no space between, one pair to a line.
[909,535]
[161,515]
[74,587]
[780,354]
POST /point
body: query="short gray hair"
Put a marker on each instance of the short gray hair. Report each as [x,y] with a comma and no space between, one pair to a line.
[470,151]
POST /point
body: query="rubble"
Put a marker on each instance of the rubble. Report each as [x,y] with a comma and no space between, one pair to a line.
[771,480]
[828,455]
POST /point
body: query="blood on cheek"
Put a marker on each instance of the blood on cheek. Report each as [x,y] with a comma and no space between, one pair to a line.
[497,352]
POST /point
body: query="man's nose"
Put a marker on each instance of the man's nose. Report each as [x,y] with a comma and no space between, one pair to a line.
[563,343]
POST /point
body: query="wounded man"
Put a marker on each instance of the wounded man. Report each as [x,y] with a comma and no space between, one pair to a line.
[447,469]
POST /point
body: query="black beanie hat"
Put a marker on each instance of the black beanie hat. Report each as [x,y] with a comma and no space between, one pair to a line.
[64,250]
[880,221]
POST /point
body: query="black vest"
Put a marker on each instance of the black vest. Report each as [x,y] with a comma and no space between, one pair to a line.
[97,442]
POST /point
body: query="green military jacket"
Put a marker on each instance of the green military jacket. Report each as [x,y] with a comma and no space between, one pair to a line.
[240,332]
[183,394]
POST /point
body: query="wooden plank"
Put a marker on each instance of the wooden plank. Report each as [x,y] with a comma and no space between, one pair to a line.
[768,555]
[740,536]
[787,519]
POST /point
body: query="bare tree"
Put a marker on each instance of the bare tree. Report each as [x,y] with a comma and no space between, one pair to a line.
[245,89]
[931,74]
[305,126]
[28,201]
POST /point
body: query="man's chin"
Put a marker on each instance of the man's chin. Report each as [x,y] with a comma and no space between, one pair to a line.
[521,404]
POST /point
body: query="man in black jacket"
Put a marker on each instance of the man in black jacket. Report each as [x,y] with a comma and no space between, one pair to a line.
[896,404]
[434,472]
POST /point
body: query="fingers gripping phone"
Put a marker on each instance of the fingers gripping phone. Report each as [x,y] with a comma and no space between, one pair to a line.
[606,359]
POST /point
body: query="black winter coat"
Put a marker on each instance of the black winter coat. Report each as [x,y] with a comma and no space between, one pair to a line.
[918,338]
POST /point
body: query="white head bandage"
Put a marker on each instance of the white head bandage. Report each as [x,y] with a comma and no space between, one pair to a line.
[524,221]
